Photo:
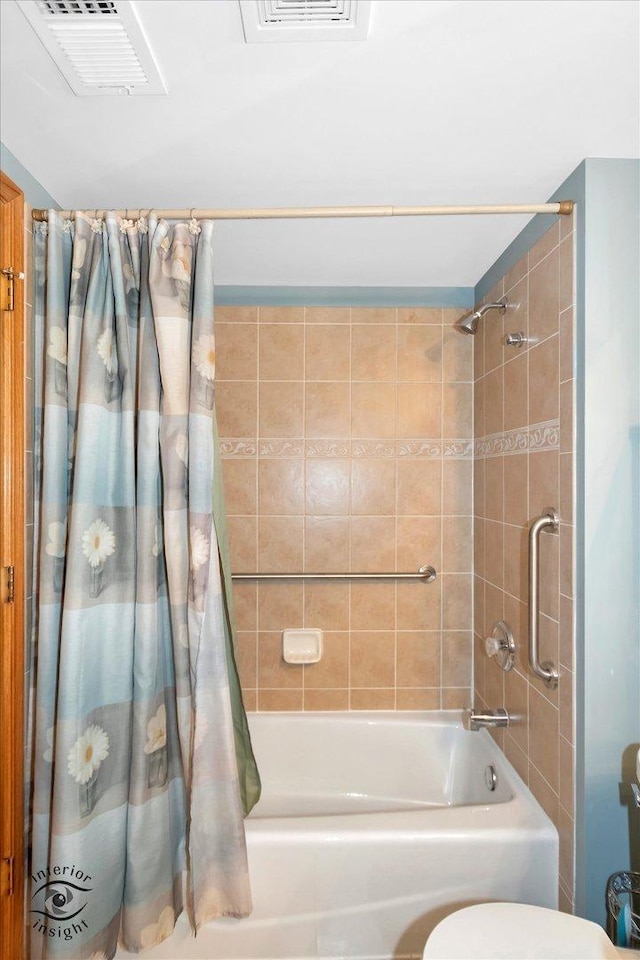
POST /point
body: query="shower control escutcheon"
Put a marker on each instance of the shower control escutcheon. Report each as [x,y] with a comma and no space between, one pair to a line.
[515,340]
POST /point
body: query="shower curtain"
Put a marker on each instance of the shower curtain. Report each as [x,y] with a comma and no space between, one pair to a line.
[142,763]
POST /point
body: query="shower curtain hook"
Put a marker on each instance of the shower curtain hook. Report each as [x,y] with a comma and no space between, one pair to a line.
[142,221]
[194,226]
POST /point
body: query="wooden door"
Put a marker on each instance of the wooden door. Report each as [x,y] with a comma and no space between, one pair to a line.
[12,592]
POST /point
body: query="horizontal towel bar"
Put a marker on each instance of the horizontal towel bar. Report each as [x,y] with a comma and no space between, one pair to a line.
[426,573]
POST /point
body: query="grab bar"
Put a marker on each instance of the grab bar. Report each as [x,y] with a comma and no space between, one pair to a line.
[426,573]
[546,671]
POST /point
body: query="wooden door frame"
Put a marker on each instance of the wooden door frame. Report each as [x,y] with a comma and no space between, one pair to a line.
[12,555]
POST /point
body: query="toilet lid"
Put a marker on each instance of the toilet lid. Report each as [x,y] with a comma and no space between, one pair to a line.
[517,931]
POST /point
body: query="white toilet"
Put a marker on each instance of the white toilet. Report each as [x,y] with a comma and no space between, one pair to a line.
[517,931]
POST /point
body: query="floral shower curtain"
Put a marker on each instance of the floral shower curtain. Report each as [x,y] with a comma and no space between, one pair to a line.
[142,763]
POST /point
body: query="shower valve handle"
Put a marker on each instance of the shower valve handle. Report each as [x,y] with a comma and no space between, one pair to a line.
[501,645]
[493,645]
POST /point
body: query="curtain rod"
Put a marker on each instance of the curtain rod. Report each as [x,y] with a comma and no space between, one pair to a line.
[563,207]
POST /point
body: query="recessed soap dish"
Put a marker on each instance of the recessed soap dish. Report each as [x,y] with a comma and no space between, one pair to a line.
[301,646]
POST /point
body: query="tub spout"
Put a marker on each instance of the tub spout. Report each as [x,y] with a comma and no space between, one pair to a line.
[491,718]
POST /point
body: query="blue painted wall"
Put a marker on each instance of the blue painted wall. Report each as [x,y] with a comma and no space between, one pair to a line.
[346,296]
[34,192]
[610,720]
[607,195]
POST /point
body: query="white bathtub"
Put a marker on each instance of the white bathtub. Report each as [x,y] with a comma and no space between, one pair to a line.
[371,828]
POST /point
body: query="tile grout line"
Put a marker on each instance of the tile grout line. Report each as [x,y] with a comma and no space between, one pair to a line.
[503,497]
[561,432]
[472,679]
[257,507]
[528,684]
[349,509]
[442,591]
[304,481]
[395,473]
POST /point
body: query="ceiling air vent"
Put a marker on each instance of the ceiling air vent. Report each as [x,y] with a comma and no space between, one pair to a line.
[277,21]
[99,47]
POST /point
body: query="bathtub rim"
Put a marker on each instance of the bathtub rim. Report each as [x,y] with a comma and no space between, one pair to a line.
[522,812]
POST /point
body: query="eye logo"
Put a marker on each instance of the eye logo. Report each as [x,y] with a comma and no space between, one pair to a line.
[61,893]
[61,900]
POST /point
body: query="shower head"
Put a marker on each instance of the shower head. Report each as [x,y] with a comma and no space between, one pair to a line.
[469,323]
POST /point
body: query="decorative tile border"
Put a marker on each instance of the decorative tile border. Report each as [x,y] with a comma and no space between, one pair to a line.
[537,436]
[373,448]
[449,448]
[238,448]
[544,436]
[327,448]
[457,449]
[284,449]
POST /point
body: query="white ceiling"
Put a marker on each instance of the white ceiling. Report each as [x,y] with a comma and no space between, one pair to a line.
[448,101]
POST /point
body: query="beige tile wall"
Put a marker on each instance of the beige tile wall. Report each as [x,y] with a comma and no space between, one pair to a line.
[524,462]
[346,438]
